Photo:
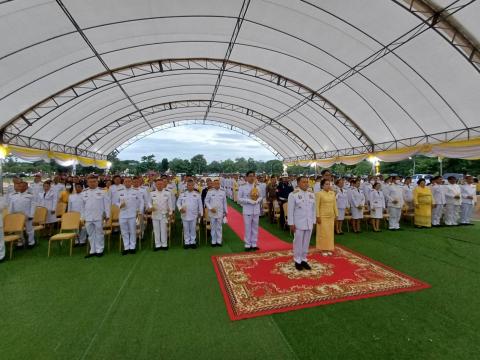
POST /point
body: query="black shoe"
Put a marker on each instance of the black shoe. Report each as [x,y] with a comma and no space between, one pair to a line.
[164,248]
[193,246]
[2,260]
[255,248]
[99,254]
[298,266]
[305,265]
[76,245]
[219,245]
[132,251]
[213,245]
[89,256]
[125,252]
[30,246]
[248,249]
[186,247]
[157,248]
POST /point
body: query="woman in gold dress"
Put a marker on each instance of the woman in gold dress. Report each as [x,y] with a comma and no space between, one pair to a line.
[423,201]
[326,206]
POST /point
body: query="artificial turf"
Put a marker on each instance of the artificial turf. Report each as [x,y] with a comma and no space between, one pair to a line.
[168,305]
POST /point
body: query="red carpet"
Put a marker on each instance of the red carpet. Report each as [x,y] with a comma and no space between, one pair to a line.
[266,282]
[266,241]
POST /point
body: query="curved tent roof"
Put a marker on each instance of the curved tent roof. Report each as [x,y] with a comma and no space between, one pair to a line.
[308,79]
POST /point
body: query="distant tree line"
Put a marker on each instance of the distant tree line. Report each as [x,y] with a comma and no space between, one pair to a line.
[199,165]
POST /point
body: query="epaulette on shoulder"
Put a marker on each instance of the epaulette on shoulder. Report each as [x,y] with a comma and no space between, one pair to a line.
[296,191]
[310,190]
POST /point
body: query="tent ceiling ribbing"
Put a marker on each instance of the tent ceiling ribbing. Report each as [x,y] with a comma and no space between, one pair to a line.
[308,79]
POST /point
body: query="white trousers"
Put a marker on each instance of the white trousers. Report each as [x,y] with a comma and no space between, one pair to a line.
[251,230]
[95,236]
[451,214]
[466,211]
[128,228]
[30,234]
[160,231]
[301,242]
[189,231]
[216,230]
[437,213]
[394,217]
[82,237]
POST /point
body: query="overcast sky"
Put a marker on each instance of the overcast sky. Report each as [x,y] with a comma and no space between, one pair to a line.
[184,142]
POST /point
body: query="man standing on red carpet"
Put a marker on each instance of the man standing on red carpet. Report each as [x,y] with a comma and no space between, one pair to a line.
[301,217]
[250,199]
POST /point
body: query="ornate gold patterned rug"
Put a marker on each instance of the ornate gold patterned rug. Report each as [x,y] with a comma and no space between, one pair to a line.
[261,283]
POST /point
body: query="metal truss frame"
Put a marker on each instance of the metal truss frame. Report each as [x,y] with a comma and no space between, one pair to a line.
[182,104]
[447,136]
[194,122]
[433,20]
[29,142]
[446,28]
[34,114]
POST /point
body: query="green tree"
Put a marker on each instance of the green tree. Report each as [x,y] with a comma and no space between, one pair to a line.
[228,166]
[164,165]
[198,164]
[215,167]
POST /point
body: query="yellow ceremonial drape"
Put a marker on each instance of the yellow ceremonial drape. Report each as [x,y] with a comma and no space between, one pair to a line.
[326,209]
[422,199]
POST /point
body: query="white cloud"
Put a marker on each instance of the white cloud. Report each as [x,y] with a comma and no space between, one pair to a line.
[187,141]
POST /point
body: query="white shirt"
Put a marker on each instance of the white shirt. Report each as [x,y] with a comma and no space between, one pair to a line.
[48,200]
[356,197]
[468,190]
[96,203]
[301,209]
[453,194]
[342,198]
[132,201]
[22,203]
[216,199]
[192,202]
[377,199]
[394,196]
[161,203]
[249,206]
[75,203]
[438,194]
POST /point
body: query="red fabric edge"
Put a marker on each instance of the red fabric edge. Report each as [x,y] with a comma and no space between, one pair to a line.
[420,285]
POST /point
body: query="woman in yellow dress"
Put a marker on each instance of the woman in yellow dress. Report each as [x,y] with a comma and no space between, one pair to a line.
[423,201]
[326,207]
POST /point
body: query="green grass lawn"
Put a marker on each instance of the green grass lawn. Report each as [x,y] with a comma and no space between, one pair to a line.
[168,305]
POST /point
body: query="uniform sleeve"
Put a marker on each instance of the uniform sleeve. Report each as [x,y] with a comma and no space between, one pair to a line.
[82,211]
[208,197]
[225,205]
[179,202]
[291,209]
[335,209]
[141,203]
[200,206]
[107,205]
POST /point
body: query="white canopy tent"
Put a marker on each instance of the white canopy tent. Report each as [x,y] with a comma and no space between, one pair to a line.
[311,80]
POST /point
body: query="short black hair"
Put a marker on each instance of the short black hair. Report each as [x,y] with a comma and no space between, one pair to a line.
[299,178]
[452,177]
[250,172]
[323,182]
[420,180]
[325,171]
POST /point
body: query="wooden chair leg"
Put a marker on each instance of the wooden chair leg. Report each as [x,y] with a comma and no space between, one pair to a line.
[11,249]
[71,246]
[49,242]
